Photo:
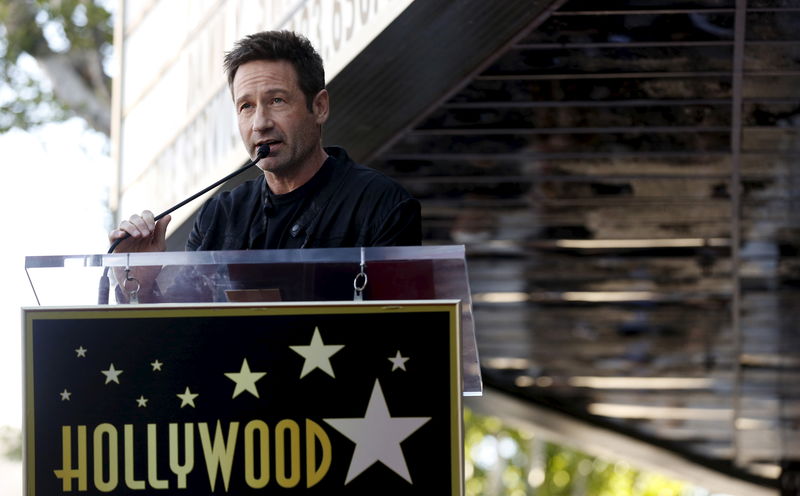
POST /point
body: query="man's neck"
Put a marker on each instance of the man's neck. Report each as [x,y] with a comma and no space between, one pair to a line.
[280,184]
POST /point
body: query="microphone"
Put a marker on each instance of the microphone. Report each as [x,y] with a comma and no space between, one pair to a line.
[263,151]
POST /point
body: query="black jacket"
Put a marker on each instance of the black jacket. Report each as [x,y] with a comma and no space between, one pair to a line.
[346,205]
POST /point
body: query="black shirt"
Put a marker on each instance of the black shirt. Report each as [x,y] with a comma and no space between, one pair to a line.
[344,204]
[280,210]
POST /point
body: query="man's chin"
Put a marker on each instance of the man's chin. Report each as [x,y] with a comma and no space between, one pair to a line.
[270,165]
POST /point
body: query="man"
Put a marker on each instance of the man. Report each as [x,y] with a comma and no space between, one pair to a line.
[309,196]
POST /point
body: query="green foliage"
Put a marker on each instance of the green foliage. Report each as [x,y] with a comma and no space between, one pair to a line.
[25,101]
[508,461]
[11,443]
[31,30]
[86,24]
[82,25]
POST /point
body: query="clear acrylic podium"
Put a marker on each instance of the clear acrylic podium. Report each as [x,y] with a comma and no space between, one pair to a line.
[392,274]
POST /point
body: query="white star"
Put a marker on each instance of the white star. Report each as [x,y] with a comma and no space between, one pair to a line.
[81,351]
[156,365]
[398,361]
[187,398]
[245,380]
[317,354]
[142,401]
[384,447]
[111,374]
[65,395]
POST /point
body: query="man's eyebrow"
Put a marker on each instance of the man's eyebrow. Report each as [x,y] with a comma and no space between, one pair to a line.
[278,89]
[270,91]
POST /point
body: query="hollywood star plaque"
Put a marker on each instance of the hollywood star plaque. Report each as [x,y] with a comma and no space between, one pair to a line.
[317,398]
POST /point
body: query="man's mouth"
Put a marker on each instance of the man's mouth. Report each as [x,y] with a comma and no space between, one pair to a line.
[269,143]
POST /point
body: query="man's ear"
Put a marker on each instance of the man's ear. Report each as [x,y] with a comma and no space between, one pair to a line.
[321,107]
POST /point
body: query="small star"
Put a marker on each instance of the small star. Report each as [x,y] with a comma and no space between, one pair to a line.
[384,448]
[398,361]
[245,380]
[142,401]
[81,351]
[187,398]
[156,365]
[111,374]
[317,355]
[65,395]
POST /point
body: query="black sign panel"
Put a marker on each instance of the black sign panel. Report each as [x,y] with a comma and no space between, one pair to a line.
[356,398]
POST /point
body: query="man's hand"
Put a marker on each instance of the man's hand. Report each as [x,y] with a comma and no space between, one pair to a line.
[145,233]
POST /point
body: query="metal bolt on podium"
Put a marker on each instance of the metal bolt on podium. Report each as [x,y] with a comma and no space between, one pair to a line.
[133,294]
[360,282]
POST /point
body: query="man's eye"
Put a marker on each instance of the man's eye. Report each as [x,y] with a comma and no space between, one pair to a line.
[278,100]
[244,106]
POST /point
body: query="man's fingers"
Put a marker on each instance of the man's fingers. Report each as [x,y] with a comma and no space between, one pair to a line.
[161,227]
[116,234]
[139,226]
[149,220]
[148,233]
[129,227]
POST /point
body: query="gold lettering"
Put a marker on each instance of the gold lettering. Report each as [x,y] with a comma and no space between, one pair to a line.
[188,452]
[314,433]
[259,428]
[294,453]
[67,473]
[152,460]
[130,481]
[110,432]
[219,454]
[219,451]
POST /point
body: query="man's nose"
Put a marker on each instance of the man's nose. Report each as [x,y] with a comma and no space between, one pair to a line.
[262,119]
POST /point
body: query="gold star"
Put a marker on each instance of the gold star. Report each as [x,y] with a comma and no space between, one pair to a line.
[81,351]
[398,361]
[317,354]
[65,395]
[371,448]
[111,374]
[245,380]
[156,365]
[142,401]
[187,398]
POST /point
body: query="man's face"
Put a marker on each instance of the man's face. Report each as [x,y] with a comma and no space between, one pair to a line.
[272,109]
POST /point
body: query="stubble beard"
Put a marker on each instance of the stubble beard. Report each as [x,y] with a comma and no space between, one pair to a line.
[285,166]
[298,159]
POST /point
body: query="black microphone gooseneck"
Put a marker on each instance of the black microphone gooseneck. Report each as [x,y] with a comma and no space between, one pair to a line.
[263,152]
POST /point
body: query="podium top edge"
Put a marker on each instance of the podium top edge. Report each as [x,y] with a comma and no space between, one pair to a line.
[385,305]
[307,255]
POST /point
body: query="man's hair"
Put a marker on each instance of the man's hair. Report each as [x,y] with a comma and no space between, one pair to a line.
[280,45]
